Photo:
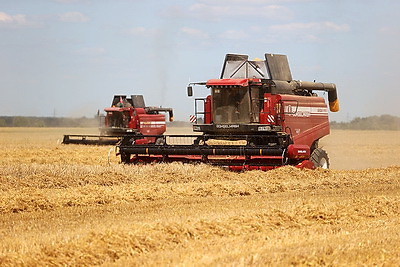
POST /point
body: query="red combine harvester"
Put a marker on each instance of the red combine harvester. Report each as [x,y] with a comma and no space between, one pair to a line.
[126,116]
[256,117]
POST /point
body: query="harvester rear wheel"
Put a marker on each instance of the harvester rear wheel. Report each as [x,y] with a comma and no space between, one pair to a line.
[320,158]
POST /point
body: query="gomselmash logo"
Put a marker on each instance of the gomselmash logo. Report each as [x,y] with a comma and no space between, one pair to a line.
[227,126]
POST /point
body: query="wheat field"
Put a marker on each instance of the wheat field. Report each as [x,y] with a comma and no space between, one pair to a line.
[75,205]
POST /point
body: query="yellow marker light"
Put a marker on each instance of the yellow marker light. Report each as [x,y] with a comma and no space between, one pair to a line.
[334,106]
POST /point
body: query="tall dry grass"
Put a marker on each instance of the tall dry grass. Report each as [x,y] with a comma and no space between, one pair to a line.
[288,233]
[71,205]
[32,187]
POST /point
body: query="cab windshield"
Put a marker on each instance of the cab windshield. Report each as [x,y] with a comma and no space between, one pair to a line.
[231,104]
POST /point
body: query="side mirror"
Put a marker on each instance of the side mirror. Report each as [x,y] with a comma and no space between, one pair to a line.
[190,91]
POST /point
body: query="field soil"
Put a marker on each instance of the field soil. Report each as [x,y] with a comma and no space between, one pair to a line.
[75,205]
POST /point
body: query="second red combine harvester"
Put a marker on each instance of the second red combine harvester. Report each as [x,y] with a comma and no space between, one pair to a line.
[126,116]
[256,117]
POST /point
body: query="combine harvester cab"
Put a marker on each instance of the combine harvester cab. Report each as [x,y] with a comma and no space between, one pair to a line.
[126,116]
[256,117]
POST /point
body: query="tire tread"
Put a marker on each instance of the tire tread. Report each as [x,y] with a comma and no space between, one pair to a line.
[316,156]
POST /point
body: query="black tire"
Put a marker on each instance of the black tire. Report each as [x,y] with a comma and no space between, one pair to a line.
[320,158]
[125,158]
[160,141]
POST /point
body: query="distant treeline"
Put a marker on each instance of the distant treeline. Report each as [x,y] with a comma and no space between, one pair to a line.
[22,121]
[383,122]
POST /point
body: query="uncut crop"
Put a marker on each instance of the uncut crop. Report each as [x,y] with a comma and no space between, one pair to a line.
[78,206]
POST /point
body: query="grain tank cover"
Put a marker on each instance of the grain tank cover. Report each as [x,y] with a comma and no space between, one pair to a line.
[278,67]
[239,67]
[274,67]
[118,99]
[138,101]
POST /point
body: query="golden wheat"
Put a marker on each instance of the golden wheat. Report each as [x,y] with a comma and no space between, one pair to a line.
[72,205]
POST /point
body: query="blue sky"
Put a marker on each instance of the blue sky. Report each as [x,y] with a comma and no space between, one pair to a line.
[69,57]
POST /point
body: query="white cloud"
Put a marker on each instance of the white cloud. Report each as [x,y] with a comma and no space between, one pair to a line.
[15,21]
[194,33]
[234,35]
[143,32]
[387,30]
[73,17]
[138,31]
[215,12]
[313,26]
[5,18]
[307,32]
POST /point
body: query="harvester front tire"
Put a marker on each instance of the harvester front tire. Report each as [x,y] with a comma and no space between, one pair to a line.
[320,158]
[125,158]
[160,141]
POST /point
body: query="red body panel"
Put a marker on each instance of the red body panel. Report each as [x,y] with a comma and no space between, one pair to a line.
[234,163]
[131,119]
[296,151]
[113,109]
[208,110]
[268,114]
[224,82]
[151,124]
[304,117]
